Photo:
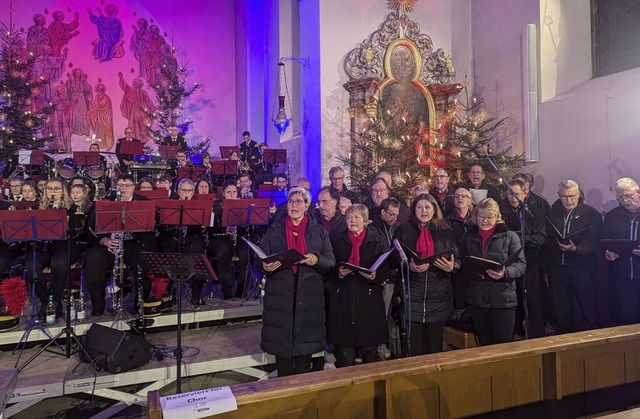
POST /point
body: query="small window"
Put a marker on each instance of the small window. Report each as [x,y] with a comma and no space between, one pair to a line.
[615,35]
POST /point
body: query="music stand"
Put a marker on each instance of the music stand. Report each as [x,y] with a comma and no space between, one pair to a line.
[274,155]
[86,158]
[131,147]
[224,167]
[50,225]
[154,194]
[124,217]
[179,267]
[192,173]
[276,196]
[246,212]
[168,152]
[226,150]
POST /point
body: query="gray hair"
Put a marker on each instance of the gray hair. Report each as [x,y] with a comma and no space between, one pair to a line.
[186,182]
[306,196]
[625,183]
[335,169]
[568,184]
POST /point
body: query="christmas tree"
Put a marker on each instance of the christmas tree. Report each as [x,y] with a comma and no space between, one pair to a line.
[21,119]
[172,90]
[411,151]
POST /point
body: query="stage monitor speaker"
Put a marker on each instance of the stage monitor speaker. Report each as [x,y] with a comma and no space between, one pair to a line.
[115,350]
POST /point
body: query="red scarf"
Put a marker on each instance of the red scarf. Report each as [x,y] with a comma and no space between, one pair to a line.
[295,237]
[424,244]
[356,242]
[485,235]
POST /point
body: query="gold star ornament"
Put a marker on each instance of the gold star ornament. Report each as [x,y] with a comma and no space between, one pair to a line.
[402,6]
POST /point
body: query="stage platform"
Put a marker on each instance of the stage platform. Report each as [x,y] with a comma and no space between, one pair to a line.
[231,345]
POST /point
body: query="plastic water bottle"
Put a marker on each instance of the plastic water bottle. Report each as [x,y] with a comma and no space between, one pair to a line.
[82,314]
[51,312]
[72,309]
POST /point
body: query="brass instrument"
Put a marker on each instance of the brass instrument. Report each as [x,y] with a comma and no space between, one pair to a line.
[244,167]
[118,266]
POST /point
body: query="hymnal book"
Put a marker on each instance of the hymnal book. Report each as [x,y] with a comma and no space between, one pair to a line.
[373,267]
[288,258]
[622,247]
[578,237]
[429,259]
[480,265]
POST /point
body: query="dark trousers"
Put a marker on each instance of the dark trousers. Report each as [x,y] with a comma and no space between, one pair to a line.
[221,250]
[193,243]
[625,301]
[493,325]
[290,366]
[56,257]
[531,284]
[567,284]
[245,269]
[346,355]
[426,338]
[99,267]
[6,256]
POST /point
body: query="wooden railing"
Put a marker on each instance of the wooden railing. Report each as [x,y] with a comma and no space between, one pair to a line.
[450,384]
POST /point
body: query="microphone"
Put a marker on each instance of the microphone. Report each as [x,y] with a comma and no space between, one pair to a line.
[403,256]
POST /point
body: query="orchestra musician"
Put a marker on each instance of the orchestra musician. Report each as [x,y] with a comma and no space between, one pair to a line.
[99,256]
[145,184]
[29,191]
[249,151]
[55,254]
[125,159]
[174,139]
[15,188]
[222,242]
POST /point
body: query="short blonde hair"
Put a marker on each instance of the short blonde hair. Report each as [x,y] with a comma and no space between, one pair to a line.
[358,209]
[488,205]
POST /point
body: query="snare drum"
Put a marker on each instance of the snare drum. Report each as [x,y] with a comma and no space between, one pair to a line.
[65,171]
[95,172]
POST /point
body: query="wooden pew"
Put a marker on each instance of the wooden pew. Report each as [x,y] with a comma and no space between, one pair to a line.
[450,384]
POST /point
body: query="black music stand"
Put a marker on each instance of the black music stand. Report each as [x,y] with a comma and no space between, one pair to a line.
[168,152]
[274,155]
[125,217]
[191,172]
[246,213]
[179,267]
[50,225]
[226,150]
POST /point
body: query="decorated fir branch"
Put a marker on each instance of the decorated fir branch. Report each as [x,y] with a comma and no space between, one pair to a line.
[172,91]
[22,121]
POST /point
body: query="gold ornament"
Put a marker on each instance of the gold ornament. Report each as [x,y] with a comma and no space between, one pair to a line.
[402,6]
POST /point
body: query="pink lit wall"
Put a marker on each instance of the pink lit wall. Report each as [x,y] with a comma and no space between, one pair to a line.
[201,31]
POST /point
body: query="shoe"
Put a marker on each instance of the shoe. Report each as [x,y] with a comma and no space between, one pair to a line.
[196,302]
[96,313]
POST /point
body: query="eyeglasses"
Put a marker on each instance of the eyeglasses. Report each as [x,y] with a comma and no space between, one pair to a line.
[567,197]
[440,176]
[325,201]
[626,197]
[391,214]
[486,217]
[295,202]
[186,190]
[53,189]
[125,185]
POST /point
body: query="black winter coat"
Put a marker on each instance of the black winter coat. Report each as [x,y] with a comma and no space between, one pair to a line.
[356,308]
[431,296]
[293,318]
[483,291]
[579,218]
[620,224]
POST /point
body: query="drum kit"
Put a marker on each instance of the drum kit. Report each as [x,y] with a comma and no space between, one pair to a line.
[62,165]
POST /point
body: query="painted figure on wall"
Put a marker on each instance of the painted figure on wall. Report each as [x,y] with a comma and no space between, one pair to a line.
[51,69]
[79,92]
[100,117]
[139,44]
[154,53]
[110,32]
[61,119]
[61,33]
[402,98]
[37,35]
[134,101]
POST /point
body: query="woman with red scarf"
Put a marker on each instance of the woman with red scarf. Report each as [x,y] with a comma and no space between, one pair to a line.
[426,233]
[492,296]
[356,308]
[293,318]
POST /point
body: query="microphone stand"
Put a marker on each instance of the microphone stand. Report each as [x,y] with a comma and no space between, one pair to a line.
[520,210]
[404,324]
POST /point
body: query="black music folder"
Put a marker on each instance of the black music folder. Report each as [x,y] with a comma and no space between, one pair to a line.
[373,267]
[288,258]
[429,259]
[622,247]
[578,237]
[480,265]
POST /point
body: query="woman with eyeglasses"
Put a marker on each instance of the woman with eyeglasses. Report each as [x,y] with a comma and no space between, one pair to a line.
[54,254]
[492,294]
[356,317]
[293,319]
[425,232]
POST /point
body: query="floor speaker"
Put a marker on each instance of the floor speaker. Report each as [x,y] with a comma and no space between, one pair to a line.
[115,350]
